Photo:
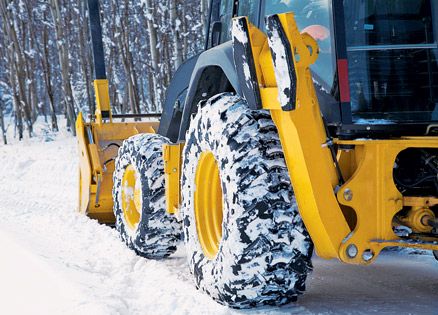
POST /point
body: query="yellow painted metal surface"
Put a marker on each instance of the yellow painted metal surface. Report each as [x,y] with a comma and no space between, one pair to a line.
[85,171]
[98,143]
[353,222]
[303,136]
[101,89]
[131,197]
[172,170]
[417,219]
[420,201]
[208,204]
[96,146]
[371,192]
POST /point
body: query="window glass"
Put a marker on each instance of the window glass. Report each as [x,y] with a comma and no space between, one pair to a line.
[249,8]
[392,54]
[225,16]
[313,17]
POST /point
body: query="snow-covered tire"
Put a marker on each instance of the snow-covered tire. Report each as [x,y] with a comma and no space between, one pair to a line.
[157,233]
[265,253]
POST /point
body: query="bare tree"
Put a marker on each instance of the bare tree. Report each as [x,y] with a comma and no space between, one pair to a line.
[61,43]
[18,75]
[47,70]
[2,122]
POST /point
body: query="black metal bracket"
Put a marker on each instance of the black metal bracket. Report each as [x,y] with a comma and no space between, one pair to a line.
[244,63]
[96,39]
[282,58]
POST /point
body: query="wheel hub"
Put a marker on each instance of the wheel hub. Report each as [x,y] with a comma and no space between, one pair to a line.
[208,204]
[131,197]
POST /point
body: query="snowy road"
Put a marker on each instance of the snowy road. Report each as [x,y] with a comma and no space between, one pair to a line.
[56,261]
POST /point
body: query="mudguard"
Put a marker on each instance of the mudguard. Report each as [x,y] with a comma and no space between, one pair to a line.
[172,111]
[213,73]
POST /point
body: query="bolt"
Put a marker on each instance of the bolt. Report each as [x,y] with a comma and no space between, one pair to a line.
[174,170]
[367,255]
[348,194]
[352,251]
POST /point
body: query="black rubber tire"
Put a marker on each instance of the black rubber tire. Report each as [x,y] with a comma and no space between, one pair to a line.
[265,253]
[435,254]
[157,233]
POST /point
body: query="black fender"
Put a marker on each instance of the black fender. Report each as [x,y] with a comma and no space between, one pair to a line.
[174,103]
[213,73]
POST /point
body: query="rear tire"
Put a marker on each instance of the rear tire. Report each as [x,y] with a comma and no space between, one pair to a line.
[152,232]
[264,254]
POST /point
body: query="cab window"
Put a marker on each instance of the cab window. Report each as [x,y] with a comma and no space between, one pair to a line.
[314,18]
[251,9]
[393,59]
[225,16]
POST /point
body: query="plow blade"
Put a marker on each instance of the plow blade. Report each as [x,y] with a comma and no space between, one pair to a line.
[98,147]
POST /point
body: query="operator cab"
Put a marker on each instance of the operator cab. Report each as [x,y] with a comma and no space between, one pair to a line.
[377,73]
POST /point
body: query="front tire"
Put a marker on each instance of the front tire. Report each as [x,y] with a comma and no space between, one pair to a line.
[139,198]
[263,253]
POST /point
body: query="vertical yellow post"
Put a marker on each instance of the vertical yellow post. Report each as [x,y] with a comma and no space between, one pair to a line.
[172,155]
[103,107]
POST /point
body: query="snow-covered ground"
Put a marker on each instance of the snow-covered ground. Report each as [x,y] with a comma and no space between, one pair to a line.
[55,261]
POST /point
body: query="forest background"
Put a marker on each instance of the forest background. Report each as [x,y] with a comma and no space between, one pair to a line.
[46,65]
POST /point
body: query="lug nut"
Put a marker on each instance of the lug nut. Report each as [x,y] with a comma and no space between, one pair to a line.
[348,194]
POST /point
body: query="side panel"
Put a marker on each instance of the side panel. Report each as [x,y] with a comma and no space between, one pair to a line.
[98,146]
[84,166]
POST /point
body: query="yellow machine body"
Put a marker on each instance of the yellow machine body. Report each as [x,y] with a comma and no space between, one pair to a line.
[353,222]
[172,155]
[98,143]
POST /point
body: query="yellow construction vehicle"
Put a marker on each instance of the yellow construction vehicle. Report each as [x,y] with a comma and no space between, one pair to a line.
[337,99]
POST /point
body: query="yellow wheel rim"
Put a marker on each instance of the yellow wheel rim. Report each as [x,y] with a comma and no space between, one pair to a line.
[208,204]
[131,197]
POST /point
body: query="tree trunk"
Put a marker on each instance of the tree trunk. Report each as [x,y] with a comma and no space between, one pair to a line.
[176,24]
[45,64]
[61,43]
[204,16]
[17,106]
[2,123]
[32,63]
[84,54]
[16,62]
[153,52]
[185,43]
